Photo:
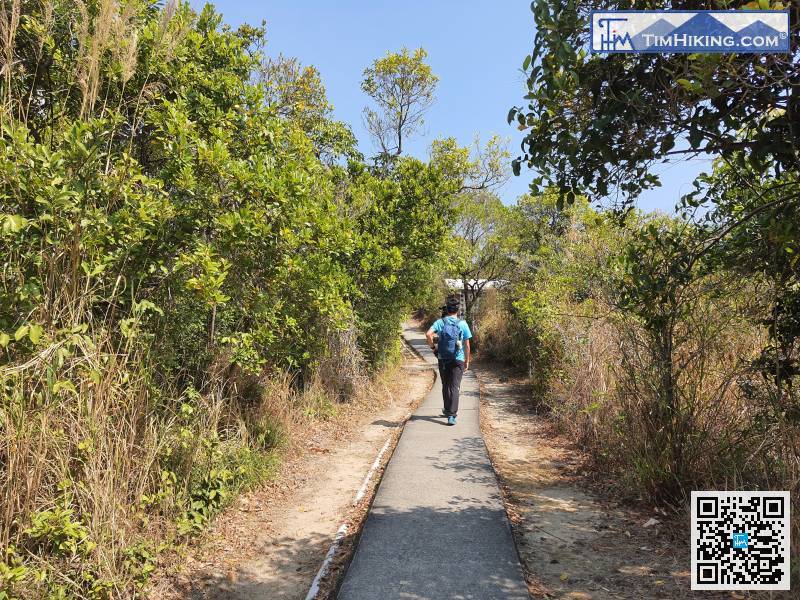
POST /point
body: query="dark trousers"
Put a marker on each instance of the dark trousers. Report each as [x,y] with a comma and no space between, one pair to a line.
[451,372]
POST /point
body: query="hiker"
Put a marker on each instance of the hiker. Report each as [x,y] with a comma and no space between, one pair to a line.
[453,353]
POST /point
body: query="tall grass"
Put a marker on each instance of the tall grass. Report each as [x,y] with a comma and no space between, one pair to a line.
[101,471]
[600,375]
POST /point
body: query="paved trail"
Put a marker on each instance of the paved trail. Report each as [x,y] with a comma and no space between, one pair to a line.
[437,528]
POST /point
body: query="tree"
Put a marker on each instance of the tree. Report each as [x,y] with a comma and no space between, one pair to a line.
[473,246]
[597,123]
[402,86]
[398,219]
[476,168]
[755,233]
[296,93]
[480,247]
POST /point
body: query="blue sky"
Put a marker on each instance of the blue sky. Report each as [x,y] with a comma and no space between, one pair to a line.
[475,47]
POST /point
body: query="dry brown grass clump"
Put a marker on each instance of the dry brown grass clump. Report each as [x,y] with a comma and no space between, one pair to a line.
[101,471]
[602,379]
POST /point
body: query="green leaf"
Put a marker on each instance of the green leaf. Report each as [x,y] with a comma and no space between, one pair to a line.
[13,223]
[695,138]
[35,333]
[64,384]
[21,332]
[667,143]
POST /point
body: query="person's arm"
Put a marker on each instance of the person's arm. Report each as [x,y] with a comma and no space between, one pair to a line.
[466,355]
[429,337]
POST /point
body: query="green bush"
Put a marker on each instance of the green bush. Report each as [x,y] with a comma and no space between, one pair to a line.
[188,271]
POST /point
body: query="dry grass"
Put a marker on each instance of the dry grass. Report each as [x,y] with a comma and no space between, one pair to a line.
[124,461]
[499,336]
[599,380]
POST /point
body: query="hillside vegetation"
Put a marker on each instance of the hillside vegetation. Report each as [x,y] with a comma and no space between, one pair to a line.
[194,256]
[667,346]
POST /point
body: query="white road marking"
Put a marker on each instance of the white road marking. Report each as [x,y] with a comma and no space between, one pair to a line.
[323,570]
[363,489]
[342,532]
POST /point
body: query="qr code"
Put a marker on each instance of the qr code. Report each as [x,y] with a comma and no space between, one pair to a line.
[740,540]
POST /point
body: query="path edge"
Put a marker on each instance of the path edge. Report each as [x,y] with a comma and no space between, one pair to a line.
[355,530]
[505,493]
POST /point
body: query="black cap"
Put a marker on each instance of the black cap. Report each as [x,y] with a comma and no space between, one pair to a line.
[452,305]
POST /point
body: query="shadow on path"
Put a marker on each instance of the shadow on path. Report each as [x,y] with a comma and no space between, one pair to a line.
[409,568]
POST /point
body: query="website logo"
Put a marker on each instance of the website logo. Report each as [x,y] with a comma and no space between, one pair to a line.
[610,40]
[654,31]
[740,541]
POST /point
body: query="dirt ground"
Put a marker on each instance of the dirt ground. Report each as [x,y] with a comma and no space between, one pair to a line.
[271,542]
[575,544]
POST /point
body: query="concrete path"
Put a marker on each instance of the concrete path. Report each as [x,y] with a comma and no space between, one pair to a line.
[437,528]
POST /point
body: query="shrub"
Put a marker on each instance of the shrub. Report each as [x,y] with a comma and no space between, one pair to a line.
[187,275]
[647,359]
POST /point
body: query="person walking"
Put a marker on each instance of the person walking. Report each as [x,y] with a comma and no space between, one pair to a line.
[453,353]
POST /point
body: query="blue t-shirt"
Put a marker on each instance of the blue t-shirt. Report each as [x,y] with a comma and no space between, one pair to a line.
[465,333]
